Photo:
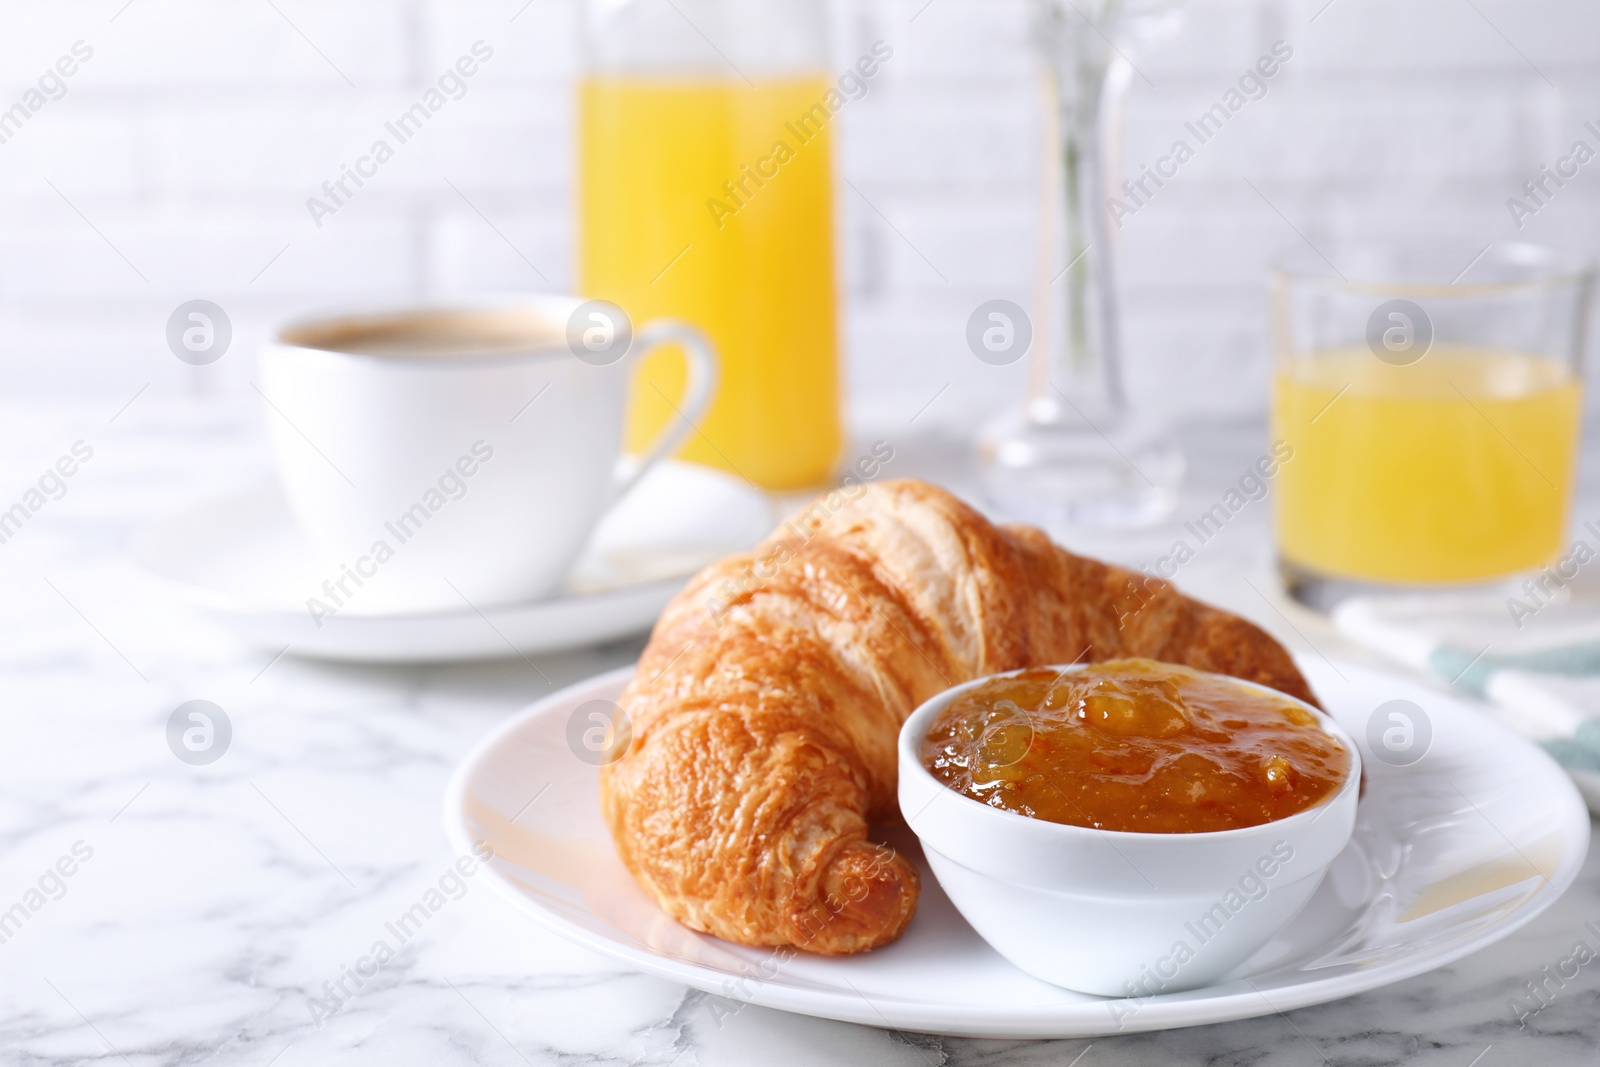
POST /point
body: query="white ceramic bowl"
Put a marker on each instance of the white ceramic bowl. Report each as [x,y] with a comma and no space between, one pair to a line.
[1116,913]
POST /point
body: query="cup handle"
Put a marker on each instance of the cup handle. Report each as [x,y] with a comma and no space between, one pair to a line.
[697,394]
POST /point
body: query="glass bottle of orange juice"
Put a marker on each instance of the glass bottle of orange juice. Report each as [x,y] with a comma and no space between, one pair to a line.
[705,193]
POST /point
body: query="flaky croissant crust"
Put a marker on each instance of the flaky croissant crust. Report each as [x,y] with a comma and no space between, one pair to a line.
[767,705]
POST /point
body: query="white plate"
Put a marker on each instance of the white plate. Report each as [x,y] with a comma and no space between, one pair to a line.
[1449,855]
[242,560]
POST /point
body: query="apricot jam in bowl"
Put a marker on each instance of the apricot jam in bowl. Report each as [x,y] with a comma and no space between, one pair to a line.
[1127,828]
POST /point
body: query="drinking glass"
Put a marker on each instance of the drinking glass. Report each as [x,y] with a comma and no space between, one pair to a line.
[1429,402]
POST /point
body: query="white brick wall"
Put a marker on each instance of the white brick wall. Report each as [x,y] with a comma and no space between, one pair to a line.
[192,138]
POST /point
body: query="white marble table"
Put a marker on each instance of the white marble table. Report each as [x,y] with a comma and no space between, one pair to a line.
[216,900]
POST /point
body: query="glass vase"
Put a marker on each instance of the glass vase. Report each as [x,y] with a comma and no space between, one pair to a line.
[1075,453]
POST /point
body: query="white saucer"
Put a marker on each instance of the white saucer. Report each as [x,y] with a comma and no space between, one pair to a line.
[1449,854]
[243,561]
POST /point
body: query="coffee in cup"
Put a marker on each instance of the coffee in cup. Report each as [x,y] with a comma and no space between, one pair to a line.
[451,457]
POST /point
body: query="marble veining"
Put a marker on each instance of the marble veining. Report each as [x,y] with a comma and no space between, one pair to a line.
[219,905]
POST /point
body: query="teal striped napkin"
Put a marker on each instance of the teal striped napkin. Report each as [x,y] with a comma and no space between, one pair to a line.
[1539,675]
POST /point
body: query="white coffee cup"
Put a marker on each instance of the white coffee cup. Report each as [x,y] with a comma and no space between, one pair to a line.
[444,458]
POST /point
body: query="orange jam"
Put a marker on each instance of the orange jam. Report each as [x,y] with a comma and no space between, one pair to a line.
[1133,744]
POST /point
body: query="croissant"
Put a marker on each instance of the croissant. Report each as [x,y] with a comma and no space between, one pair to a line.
[766,707]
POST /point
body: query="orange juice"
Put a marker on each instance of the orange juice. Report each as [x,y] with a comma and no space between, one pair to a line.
[1456,468]
[712,202]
